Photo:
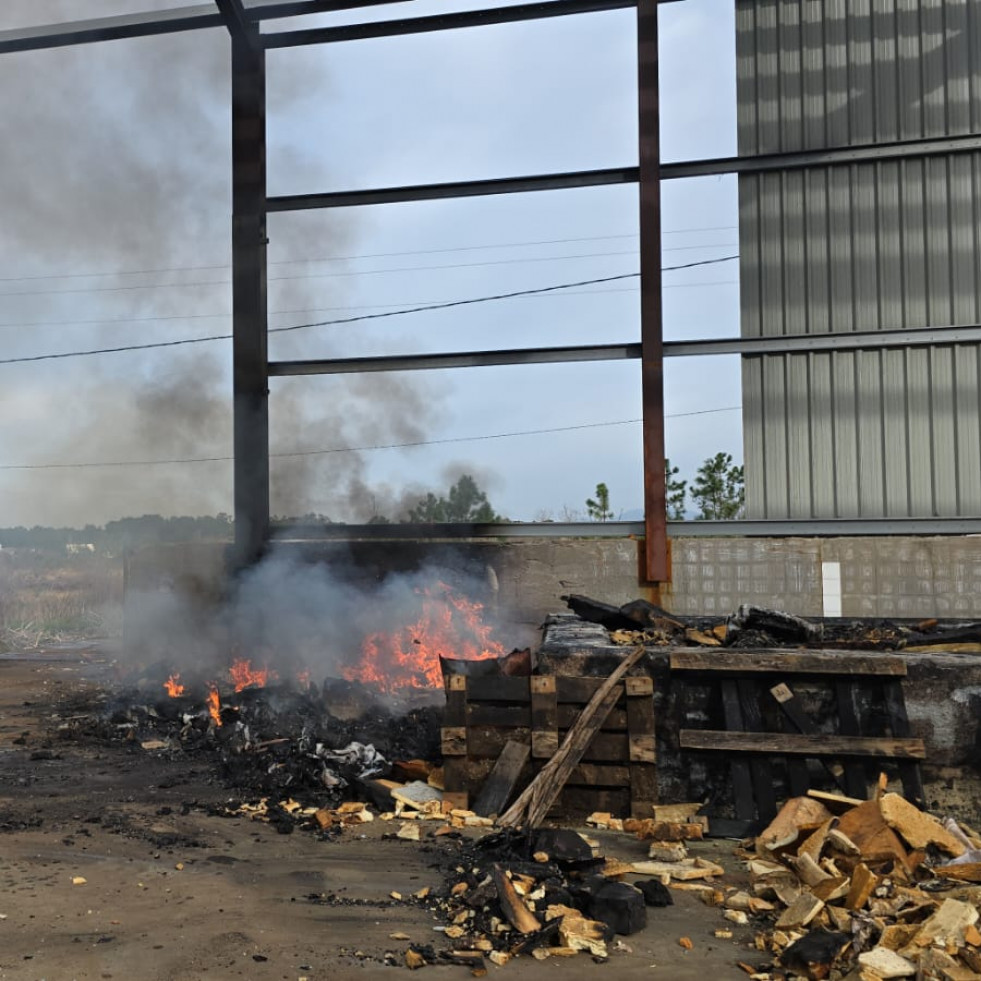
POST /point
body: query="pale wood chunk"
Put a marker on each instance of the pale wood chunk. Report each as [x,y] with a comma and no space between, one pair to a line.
[832,888]
[803,909]
[867,829]
[809,871]
[813,844]
[799,814]
[841,843]
[947,925]
[864,882]
[966,872]
[668,851]
[836,803]
[918,829]
[897,935]
[679,813]
[576,932]
[887,963]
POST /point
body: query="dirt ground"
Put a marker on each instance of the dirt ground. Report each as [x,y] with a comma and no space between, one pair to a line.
[173,892]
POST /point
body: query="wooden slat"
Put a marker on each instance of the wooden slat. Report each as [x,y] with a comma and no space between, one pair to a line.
[499,690]
[453,740]
[642,750]
[499,786]
[544,717]
[778,743]
[846,692]
[578,690]
[760,768]
[788,662]
[909,772]
[518,716]
[742,784]
[488,741]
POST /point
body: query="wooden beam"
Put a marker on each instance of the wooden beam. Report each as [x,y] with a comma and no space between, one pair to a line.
[788,662]
[783,743]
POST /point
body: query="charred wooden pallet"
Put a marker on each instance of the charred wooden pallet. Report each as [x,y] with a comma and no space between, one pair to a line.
[486,717]
[752,683]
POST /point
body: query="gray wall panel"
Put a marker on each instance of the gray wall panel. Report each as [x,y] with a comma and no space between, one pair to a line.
[871,246]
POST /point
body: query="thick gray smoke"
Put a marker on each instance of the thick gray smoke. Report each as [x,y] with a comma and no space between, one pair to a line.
[117,158]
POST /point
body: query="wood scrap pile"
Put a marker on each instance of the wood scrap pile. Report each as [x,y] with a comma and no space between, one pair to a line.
[753,626]
[867,890]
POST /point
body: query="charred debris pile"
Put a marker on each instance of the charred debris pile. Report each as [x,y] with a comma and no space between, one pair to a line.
[755,627]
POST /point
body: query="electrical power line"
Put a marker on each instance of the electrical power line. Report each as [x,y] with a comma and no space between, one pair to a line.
[355,319]
[385,255]
[360,449]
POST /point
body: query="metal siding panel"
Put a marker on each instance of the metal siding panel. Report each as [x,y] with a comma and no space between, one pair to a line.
[789,52]
[845,435]
[896,459]
[888,248]
[865,267]
[817,249]
[822,444]
[908,70]
[813,74]
[885,79]
[840,266]
[966,383]
[771,255]
[750,284]
[861,87]
[800,465]
[754,455]
[795,283]
[962,219]
[920,441]
[768,128]
[747,114]
[943,430]
[868,404]
[957,34]
[775,434]
[836,73]
[934,67]
[913,244]
[937,218]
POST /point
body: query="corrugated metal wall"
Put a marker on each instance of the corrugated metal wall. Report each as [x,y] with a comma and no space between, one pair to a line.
[876,246]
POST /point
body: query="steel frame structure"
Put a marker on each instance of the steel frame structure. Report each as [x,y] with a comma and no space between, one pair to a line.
[251,207]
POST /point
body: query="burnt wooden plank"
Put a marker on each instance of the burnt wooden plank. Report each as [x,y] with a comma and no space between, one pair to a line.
[801,745]
[499,786]
[642,750]
[453,740]
[909,772]
[582,801]
[855,784]
[794,711]
[499,689]
[797,773]
[742,786]
[488,741]
[615,721]
[498,714]
[760,768]
[578,690]
[544,717]
[456,777]
[455,713]
[788,662]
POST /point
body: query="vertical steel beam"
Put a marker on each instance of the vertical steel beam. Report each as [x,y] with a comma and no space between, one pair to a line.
[652,341]
[249,308]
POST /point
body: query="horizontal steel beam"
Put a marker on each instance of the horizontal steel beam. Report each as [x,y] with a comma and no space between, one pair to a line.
[454,189]
[443,22]
[463,359]
[794,528]
[865,340]
[871,340]
[150,23]
[873,153]
[238,22]
[626,175]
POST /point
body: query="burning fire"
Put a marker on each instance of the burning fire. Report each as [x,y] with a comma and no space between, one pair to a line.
[174,686]
[448,624]
[243,676]
[214,704]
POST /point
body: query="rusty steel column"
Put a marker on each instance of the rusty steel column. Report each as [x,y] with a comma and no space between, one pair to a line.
[250,383]
[651,333]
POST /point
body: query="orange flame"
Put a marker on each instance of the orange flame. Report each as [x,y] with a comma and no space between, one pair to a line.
[243,676]
[174,686]
[448,624]
[214,705]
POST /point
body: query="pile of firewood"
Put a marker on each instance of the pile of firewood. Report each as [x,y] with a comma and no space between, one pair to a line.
[867,890]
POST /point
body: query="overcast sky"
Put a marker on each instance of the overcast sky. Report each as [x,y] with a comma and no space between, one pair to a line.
[115,192]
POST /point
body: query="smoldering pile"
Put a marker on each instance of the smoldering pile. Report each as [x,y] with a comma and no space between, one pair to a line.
[317,743]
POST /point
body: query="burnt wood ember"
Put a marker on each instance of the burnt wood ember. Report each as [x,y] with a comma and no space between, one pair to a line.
[620,905]
[814,954]
[784,626]
[655,892]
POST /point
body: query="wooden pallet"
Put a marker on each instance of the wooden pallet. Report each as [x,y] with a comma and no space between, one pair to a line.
[618,769]
[751,683]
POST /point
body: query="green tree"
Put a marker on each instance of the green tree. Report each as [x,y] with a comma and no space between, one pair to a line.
[718,489]
[464,502]
[674,492]
[599,507]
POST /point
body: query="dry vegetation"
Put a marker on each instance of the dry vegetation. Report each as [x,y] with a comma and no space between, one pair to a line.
[47,597]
